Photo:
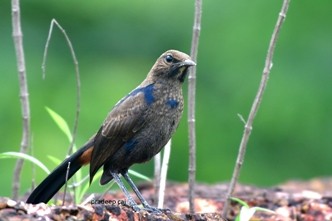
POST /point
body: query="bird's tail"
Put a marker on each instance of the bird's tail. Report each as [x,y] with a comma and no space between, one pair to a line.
[54,181]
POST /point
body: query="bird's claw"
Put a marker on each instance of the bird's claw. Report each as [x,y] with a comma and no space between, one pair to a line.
[152,209]
[136,208]
[147,208]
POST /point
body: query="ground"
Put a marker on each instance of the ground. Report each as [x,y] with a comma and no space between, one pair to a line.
[295,200]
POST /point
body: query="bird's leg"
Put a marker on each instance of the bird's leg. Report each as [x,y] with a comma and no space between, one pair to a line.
[139,195]
[130,199]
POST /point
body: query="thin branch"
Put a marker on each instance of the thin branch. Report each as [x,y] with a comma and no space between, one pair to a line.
[256,104]
[77,76]
[66,184]
[191,105]
[163,174]
[24,94]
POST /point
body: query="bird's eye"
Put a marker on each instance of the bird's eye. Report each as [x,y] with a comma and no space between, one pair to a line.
[169,58]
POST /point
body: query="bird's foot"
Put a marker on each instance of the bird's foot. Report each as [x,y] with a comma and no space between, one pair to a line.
[136,208]
[152,209]
[132,204]
[148,208]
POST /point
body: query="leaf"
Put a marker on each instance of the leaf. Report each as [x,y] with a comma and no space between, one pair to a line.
[264,210]
[139,175]
[246,213]
[55,160]
[60,122]
[240,201]
[25,157]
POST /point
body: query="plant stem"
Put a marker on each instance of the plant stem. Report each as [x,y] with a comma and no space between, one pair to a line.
[256,104]
[24,94]
[77,76]
[191,105]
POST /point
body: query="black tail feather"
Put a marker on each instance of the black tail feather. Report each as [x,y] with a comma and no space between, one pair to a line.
[53,182]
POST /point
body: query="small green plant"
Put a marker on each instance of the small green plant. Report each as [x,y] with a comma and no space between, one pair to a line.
[63,126]
[246,212]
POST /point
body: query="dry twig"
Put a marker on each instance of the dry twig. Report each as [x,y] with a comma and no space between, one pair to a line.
[77,76]
[191,105]
[24,94]
[78,87]
[256,104]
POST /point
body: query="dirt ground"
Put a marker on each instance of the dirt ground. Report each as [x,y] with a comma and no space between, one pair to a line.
[296,200]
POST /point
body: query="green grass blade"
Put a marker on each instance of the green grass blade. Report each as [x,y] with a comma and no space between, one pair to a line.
[240,202]
[55,160]
[61,123]
[264,210]
[139,175]
[24,156]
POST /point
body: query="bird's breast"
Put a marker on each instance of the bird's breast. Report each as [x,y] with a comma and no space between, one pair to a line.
[166,111]
[168,104]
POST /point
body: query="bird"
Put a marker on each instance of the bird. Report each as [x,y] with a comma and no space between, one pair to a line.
[138,126]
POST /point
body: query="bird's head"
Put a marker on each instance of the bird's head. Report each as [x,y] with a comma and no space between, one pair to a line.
[171,65]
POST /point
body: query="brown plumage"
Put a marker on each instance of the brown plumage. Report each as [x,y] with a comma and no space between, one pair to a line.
[135,130]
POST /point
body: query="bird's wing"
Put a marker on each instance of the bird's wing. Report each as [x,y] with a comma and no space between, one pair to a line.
[125,119]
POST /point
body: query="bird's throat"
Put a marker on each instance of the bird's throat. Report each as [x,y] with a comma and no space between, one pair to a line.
[182,74]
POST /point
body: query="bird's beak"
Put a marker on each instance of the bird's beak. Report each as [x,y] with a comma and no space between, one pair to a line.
[187,63]
[183,68]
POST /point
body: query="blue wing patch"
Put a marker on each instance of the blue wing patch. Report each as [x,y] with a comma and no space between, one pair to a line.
[172,103]
[130,144]
[148,94]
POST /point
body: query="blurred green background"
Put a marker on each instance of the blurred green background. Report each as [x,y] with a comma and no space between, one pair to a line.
[116,43]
